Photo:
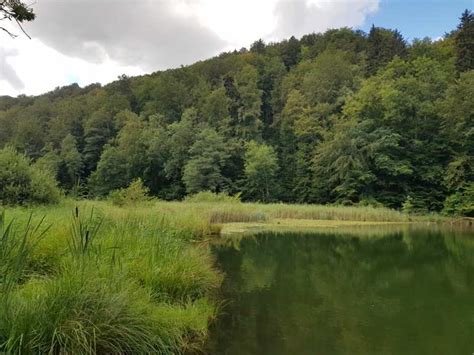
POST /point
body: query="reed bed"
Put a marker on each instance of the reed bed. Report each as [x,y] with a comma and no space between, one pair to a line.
[253,212]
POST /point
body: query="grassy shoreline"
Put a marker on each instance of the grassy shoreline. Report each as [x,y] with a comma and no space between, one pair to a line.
[136,278]
[140,284]
[299,225]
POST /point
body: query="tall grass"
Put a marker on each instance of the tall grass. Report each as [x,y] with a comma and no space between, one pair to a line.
[15,250]
[254,212]
[122,281]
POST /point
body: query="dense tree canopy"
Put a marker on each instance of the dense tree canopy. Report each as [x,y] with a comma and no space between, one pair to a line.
[335,117]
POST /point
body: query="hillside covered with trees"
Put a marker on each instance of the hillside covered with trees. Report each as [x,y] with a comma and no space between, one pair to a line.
[340,117]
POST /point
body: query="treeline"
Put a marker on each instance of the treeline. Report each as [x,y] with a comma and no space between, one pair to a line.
[340,117]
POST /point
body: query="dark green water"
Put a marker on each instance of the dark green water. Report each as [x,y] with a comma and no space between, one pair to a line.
[405,292]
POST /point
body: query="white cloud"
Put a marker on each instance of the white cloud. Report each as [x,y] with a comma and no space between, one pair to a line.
[40,68]
[301,17]
[238,23]
[97,40]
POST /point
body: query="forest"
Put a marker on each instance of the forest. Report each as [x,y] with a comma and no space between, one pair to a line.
[341,117]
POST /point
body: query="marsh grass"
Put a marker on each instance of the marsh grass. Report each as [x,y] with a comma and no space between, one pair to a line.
[121,281]
[217,213]
[15,249]
[83,232]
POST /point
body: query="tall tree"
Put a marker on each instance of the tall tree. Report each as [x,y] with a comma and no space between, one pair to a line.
[203,172]
[261,167]
[464,39]
[293,111]
[249,123]
[99,129]
[111,173]
[382,46]
[458,127]
[291,52]
[329,77]
[258,47]
[72,160]
[180,138]
[215,110]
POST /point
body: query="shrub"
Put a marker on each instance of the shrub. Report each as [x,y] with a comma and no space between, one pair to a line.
[136,192]
[208,196]
[22,183]
[44,188]
[370,202]
[413,205]
[461,203]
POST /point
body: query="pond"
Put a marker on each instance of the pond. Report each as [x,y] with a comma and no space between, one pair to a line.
[400,291]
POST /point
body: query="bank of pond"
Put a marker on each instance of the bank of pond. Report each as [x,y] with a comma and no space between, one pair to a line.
[167,277]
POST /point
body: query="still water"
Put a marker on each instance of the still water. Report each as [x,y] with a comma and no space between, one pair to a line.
[393,292]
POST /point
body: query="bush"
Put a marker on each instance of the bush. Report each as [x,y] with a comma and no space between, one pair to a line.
[208,196]
[22,183]
[370,202]
[461,203]
[136,192]
[414,205]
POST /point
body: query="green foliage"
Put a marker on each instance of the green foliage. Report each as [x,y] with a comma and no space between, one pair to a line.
[215,110]
[330,75]
[23,183]
[111,173]
[382,46]
[261,167]
[458,115]
[464,42]
[50,161]
[382,151]
[135,193]
[408,205]
[17,11]
[203,172]
[461,203]
[351,116]
[72,159]
[250,101]
[290,52]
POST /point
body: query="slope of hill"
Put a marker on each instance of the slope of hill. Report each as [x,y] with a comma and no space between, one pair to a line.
[340,117]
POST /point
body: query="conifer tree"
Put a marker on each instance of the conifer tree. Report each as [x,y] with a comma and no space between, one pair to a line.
[465,42]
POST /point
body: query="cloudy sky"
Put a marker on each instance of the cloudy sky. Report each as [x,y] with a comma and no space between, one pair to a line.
[88,41]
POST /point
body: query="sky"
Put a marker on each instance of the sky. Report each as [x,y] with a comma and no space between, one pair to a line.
[89,41]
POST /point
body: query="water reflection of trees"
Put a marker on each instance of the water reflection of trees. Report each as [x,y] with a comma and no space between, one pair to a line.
[407,292]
